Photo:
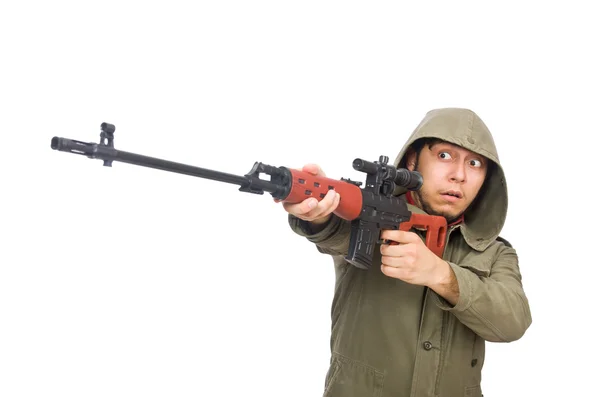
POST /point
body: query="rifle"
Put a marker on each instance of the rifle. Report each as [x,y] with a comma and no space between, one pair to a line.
[369,209]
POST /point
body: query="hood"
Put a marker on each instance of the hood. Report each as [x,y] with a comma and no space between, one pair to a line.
[485,218]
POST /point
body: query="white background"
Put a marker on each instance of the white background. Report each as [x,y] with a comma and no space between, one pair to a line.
[129,281]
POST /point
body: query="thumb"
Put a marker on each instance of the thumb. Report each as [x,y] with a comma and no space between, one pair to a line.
[313,169]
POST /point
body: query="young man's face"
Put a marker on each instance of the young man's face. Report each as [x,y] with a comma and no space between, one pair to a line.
[452,177]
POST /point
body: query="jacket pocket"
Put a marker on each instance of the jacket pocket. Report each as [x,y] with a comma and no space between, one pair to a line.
[480,269]
[351,378]
[473,391]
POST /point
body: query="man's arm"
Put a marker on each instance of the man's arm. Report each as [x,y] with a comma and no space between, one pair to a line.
[490,301]
[331,237]
[447,286]
[494,306]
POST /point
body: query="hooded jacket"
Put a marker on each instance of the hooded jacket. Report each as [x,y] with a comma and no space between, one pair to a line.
[390,338]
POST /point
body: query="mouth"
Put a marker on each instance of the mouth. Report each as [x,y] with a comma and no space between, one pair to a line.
[452,194]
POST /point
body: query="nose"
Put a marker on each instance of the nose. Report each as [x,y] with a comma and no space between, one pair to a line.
[458,173]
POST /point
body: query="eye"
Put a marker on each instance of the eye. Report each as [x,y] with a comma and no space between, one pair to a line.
[475,163]
[444,155]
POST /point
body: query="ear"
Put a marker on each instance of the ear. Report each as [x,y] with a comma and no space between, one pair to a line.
[411,159]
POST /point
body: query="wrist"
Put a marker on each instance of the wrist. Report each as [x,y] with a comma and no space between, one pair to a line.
[445,283]
[442,275]
[319,224]
[320,221]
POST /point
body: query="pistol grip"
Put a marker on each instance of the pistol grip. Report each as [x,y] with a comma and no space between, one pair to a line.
[436,227]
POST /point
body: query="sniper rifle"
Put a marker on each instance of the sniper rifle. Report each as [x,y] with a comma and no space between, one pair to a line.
[369,209]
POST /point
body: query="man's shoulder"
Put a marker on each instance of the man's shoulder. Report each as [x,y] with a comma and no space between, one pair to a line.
[504,241]
[494,247]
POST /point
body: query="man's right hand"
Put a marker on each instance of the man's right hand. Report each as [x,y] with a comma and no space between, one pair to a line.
[312,210]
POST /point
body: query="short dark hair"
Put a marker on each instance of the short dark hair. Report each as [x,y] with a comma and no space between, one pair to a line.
[418,145]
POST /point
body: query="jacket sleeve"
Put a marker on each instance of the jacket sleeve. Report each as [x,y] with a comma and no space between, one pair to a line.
[332,239]
[493,305]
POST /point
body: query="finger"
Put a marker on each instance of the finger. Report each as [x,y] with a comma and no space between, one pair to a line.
[327,205]
[399,236]
[391,249]
[311,208]
[400,273]
[394,261]
[331,201]
[301,209]
[404,250]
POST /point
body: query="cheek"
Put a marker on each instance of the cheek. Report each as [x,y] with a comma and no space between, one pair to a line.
[431,184]
[435,175]
[429,180]
[476,181]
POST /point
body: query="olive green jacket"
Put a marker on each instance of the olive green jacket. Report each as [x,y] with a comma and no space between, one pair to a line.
[394,339]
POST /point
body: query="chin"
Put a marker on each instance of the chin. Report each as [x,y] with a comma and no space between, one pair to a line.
[449,211]
[449,214]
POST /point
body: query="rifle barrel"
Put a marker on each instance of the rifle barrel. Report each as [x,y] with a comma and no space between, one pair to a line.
[109,154]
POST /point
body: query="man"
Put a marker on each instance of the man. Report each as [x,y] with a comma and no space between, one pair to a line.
[415,324]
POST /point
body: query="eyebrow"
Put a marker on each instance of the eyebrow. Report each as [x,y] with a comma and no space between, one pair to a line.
[456,147]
